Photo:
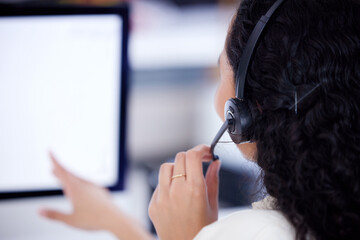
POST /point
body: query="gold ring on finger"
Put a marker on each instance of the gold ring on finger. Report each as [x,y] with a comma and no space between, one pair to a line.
[178,175]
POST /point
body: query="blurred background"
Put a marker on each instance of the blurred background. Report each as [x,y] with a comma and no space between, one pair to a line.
[174,47]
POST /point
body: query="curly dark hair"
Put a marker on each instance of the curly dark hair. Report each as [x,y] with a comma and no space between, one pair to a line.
[310,160]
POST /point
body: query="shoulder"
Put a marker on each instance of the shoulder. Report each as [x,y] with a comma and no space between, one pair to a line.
[249,224]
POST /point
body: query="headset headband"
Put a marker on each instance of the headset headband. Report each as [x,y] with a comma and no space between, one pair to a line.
[249,49]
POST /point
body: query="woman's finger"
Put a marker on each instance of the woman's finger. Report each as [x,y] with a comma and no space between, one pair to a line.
[212,183]
[165,173]
[194,159]
[60,170]
[180,167]
[154,195]
[153,203]
[67,179]
[55,215]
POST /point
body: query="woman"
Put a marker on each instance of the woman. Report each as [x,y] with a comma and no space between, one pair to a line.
[303,89]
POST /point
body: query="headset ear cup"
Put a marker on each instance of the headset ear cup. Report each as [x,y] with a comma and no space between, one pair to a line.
[238,111]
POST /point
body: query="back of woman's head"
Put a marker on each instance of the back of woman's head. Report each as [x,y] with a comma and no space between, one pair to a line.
[309,150]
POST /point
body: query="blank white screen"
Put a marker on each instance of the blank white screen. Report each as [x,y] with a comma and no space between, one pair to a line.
[59,92]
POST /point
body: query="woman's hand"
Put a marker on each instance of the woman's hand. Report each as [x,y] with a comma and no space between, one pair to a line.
[181,206]
[93,208]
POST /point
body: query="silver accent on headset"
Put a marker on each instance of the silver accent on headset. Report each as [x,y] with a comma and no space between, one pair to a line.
[302,98]
[231,113]
[296,101]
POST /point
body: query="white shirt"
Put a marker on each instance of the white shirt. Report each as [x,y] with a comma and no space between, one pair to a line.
[259,223]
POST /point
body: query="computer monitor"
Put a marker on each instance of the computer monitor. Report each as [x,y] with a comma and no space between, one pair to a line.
[62,90]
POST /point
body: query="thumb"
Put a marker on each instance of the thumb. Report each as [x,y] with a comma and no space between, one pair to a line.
[55,215]
[212,182]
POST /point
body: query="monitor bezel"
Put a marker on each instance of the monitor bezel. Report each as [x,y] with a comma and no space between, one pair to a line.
[21,10]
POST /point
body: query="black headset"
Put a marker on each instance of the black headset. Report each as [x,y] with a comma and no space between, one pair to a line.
[238,118]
